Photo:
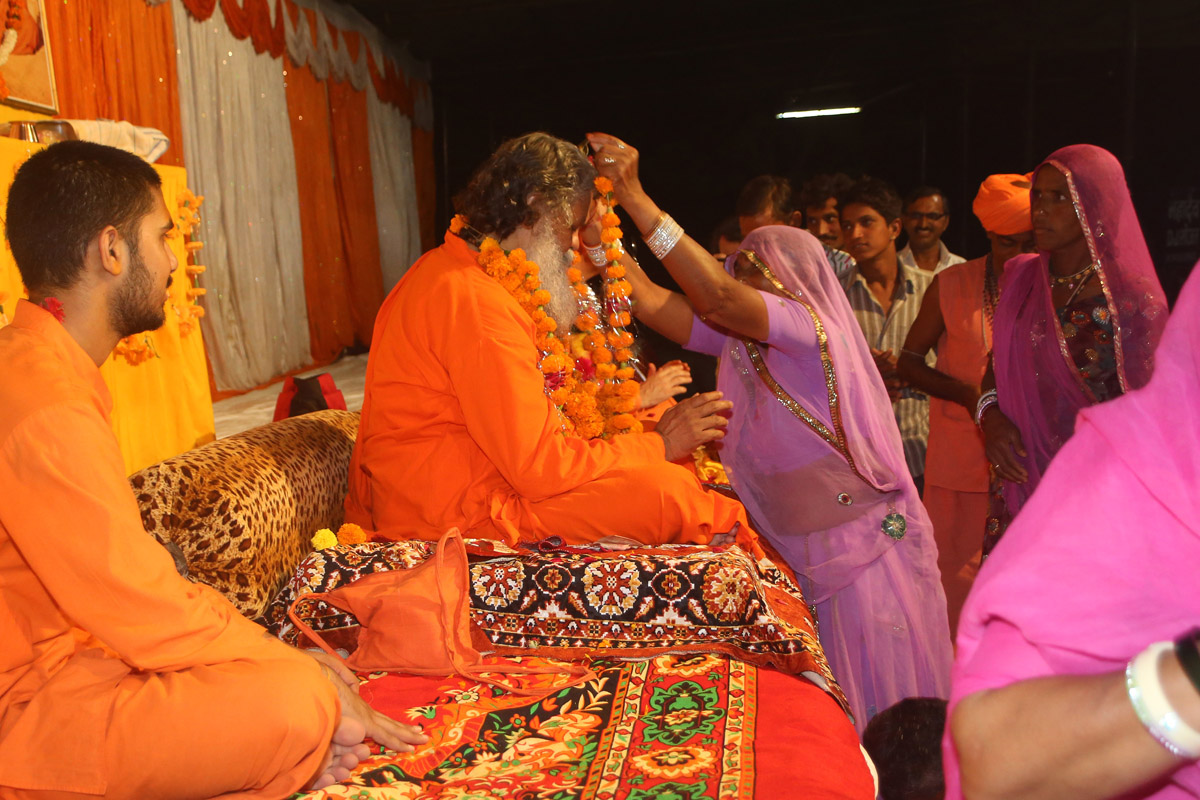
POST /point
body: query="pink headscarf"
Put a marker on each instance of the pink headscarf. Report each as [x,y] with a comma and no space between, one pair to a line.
[788,460]
[1039,387]
[1102,561]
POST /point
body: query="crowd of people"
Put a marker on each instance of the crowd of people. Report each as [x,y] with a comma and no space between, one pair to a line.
[887,418]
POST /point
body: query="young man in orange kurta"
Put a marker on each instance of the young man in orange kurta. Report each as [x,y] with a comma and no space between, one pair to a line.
[117,676]
[956,318]
[457,429]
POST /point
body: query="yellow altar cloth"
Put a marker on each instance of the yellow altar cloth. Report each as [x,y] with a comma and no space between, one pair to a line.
[162,406]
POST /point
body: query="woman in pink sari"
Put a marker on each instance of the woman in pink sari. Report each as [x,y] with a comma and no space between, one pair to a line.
[1077,322]
[1091,573]
[812,446]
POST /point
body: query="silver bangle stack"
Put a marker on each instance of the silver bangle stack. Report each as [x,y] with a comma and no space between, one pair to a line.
[596,255]
[986,401]
[1144,686]
[663,238]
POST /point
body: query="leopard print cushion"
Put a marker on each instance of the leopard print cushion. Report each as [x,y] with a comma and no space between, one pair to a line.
[243,509]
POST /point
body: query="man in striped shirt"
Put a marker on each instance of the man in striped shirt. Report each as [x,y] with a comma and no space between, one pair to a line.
[819,200]
[886,296]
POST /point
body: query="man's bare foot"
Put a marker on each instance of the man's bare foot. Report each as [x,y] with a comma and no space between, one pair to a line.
[346,750]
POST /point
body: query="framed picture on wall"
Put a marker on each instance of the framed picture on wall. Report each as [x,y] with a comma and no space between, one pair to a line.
[26,69]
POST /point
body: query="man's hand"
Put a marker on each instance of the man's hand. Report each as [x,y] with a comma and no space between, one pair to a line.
[886,361]
[663,384]
[695,421]
[383,729]
[887,364]
[1003,445]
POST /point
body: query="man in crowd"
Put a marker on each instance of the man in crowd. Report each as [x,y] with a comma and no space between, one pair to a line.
[766,200]
[819,200]
[117,676]
[457,427]
[886,296]
[956,319]
[926,215]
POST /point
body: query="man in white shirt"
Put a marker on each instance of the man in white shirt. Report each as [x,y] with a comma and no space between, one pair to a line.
[926,215]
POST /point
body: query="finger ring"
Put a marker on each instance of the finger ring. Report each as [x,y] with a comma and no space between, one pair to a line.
[607,160]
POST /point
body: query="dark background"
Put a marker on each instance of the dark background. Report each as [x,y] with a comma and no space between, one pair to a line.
[951,92]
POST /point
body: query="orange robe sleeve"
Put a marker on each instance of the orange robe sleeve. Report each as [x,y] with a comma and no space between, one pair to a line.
[501,392]
[80,532]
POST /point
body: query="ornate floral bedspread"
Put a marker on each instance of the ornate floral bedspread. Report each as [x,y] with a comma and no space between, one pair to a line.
[677,727]
[579,603]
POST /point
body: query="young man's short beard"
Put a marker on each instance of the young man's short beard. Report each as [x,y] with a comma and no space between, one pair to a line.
[552,260]
[131,308]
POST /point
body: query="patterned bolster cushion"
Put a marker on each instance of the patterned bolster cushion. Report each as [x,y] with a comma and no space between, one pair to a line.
[242,509]
[583,603]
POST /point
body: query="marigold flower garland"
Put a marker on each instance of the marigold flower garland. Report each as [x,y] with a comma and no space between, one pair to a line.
[610,352]
[587,391]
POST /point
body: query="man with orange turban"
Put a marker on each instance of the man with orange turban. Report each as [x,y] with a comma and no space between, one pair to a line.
[956,317]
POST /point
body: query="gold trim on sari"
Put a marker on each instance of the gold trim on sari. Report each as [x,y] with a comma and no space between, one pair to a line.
[835,438]
[1094,253]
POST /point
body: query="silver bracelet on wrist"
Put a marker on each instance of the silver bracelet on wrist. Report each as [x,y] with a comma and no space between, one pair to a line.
[663,238]
[986,401]
[1152,706]
[596,255]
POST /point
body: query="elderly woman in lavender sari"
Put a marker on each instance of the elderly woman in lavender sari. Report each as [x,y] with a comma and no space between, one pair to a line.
[1077,322]
[812,446]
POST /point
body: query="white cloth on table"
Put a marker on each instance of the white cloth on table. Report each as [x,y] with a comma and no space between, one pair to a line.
[149,143]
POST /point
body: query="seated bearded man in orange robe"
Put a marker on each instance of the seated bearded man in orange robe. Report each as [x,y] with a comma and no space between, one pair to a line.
[458,428]
[117,676]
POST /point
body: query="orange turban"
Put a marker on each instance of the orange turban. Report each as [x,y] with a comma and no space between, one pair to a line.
[1002,204]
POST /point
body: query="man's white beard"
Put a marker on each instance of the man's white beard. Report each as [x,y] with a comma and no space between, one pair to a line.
[552,263]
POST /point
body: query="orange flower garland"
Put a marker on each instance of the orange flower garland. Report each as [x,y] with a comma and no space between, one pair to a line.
[574,395]
[619,394]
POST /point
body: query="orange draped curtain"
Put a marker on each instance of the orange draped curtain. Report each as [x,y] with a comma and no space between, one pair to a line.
[342,277]
[115,59]
[326,277]
[426,182]
[356,204]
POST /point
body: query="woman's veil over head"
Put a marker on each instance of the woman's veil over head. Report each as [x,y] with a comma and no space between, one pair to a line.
[1040,388]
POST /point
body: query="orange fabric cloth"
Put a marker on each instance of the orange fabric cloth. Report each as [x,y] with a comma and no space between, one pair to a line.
[1002,204]
[955,458]
[956,468]
[326,277]
[958,523]
[457,431]
[356,204]
[118,676]
[115,59]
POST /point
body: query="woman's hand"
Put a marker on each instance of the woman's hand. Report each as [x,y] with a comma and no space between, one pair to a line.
[589,234]
[618,162]
[663,384]
[1003,445]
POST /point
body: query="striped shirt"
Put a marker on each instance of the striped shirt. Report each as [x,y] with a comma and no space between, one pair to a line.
[945,258]
[841,262]
[888,332]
